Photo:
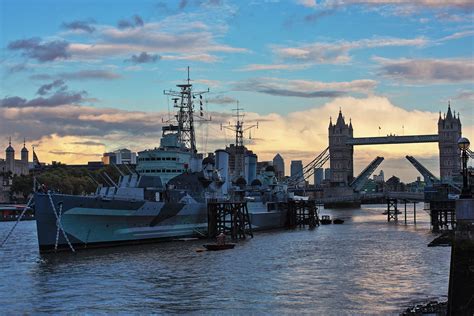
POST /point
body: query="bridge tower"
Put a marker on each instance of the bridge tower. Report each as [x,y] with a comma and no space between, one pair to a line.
[449,131]
[341,161]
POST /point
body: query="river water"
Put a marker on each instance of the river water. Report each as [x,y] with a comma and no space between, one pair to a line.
[365,266]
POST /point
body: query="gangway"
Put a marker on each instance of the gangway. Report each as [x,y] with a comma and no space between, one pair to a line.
[358,183]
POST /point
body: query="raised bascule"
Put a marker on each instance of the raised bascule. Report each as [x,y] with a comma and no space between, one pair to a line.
[341,153]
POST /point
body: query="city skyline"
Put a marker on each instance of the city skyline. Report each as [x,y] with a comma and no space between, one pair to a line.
[81,79]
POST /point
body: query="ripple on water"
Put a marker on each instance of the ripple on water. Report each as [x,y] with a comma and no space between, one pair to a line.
[363,266]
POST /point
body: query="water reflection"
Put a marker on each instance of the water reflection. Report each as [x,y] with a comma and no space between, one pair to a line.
[363,266]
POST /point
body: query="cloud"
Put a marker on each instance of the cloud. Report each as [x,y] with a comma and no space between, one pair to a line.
[305,88]
[17,68]
[74,153]
[94,74]
[263,67]
[338,52]
[143,58]
[402,7]
[205,58]
[427,70]
[41,51]
[88,143]
[183,4]
[46,88]
[222,100]
[135,21]
[57,99]
[307,3]
[60,97]
[78,25]
[462,4]
[457,35]
[465,95]
[298,135]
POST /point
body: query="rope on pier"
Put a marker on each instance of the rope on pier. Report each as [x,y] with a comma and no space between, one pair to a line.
[59,225]
[17,221]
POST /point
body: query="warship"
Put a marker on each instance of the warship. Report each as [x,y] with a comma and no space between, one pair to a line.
[164,197]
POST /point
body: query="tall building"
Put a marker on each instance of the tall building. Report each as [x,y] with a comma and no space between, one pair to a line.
[380,178]
[262,166]
[327,174]
[318,176]
[341,163]
[279,165]
[296,171]
[120,157]
[449,131]
[239,157]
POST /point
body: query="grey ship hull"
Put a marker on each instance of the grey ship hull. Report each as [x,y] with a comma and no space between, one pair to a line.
[95,222]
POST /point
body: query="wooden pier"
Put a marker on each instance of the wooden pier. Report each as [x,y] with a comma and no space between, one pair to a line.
[443,215]
[393,211]
[229,218]
[302,213]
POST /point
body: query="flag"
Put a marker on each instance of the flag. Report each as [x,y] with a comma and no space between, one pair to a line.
[36,162]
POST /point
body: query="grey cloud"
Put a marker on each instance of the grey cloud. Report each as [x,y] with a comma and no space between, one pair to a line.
[17,68]
[46,88]
[301,94]
[88,143]
[183,4]
[305,88]
[41,51]
[63,153]
[316,16]
[79,121]
[222,99]
[143,58]
[465,95]
[80,25]
[80,75]
[427,70]
[57,99]
[135,21]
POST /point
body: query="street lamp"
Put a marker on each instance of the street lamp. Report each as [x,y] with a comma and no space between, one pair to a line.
[463,144]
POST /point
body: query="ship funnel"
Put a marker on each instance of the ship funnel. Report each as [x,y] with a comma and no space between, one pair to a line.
[222,164]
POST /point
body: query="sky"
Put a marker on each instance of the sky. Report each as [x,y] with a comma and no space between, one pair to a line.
[79,78]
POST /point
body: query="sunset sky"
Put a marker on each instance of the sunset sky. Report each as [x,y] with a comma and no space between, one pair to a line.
[82,77]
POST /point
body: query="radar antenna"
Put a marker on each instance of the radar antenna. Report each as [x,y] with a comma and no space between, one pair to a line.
[239,128]
[183,101]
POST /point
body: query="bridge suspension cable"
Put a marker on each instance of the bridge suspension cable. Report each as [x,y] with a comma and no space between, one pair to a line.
[309,169]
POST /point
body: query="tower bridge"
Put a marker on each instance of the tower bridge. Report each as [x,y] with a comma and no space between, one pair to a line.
[341,152]
[393,139]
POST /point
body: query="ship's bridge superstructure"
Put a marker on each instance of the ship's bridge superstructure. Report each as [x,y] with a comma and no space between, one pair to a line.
[177,152]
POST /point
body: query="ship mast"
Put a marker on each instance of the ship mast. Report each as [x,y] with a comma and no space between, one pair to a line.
[238,128]
[183,101]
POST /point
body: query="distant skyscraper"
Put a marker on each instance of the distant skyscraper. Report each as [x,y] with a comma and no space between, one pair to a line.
[279,165]
[327,173]
[379,178]
[318,176]
[296,169]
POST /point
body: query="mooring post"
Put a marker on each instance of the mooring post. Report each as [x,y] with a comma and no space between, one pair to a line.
[414,212]
[405,212]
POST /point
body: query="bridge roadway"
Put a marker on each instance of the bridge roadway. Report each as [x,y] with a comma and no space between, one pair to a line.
[393,139]
[356,197]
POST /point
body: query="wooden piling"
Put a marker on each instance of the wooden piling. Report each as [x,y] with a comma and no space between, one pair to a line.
[230,218]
